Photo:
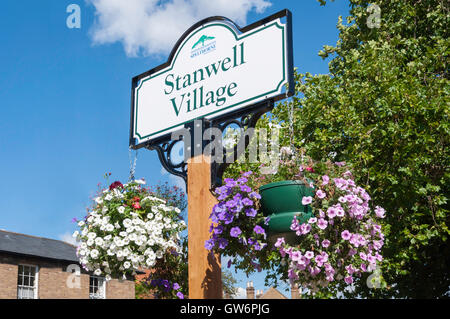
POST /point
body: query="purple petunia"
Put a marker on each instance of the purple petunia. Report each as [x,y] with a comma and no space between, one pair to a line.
[209,244]
[251,212]
[247,174]
[180,295]
[222,243]
[235,231]
[218,230]
[247,202]
[229,182]
[255,195]
[258,229]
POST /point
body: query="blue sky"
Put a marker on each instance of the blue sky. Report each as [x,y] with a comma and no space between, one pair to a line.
[65,97]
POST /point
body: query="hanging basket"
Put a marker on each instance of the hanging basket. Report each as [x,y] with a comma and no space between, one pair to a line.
[281,201]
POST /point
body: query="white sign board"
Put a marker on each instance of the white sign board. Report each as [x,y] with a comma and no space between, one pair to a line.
[214,70]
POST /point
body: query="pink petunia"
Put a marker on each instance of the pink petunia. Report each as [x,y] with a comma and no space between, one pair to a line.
[322,223]
[340,183]
[306,200]
[309,254]
[331,211]
[325,243]
[346,235]
[325,179]
[321,194]
[379,211]
[280,242]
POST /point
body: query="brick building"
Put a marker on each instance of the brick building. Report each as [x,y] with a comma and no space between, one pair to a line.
[40,268]
[271,293]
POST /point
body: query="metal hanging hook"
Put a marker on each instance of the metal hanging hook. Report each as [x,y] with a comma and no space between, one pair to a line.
[132,163]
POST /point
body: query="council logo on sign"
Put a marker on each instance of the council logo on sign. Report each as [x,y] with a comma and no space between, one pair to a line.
[200,47]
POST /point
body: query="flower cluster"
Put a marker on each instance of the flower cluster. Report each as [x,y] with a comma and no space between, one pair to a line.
[127,229]
[167,286]
[342,241]
[236,228]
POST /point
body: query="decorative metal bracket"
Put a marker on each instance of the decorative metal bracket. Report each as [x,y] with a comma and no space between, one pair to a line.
[195,144]
[164,150]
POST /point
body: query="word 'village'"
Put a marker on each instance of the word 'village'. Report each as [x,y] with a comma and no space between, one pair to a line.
[197,98]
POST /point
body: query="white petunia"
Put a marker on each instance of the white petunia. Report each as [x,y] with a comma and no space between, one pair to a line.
[150,262]
[121,209]
[94,253]
[99,241]
[127,222]
[91,235]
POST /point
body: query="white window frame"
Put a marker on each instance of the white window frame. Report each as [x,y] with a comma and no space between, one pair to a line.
[36,281]
[103,287]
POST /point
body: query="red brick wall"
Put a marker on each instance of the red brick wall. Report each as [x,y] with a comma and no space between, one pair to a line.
[52,280]
[120,289]
[8,279]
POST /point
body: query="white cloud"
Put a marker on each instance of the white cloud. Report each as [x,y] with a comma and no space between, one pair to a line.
[68,238]
[148,27]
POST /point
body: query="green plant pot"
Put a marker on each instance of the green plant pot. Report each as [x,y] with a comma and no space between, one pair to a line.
[281,201]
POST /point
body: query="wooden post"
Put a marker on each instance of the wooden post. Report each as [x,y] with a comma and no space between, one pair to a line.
[204,269]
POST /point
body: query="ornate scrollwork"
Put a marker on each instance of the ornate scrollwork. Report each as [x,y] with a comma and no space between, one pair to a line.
[164,150]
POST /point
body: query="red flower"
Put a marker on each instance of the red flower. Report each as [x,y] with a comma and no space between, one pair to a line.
[115,185]
[136,199]
[136,206]
[310,169]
